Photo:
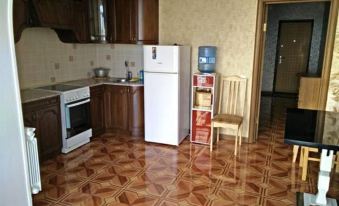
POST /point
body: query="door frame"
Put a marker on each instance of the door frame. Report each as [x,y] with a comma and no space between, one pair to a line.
[259,55]
[277,47]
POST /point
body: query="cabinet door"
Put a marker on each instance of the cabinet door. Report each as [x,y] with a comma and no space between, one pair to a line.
[44,115]
[49,131]
[116,107]
[125,21]
[81,21]
[57,14]
[148,21]
[30,120]
[97,110]
[136,111]
[20,17]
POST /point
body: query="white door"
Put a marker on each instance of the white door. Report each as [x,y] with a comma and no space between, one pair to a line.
[162,59]
[161,108]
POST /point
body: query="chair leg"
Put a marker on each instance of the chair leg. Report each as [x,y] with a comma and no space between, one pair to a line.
[295,153]
[218,133]
[211,138]
[337,163]
[302,149]
[240,132]
[236,143]
[305,164]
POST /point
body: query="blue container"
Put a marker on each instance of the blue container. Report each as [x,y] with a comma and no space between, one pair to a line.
[207,59]
[141,75]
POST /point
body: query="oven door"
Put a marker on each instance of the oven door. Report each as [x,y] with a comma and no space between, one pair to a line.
[77,117]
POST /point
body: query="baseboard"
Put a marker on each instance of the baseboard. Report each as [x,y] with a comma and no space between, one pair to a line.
[279,94]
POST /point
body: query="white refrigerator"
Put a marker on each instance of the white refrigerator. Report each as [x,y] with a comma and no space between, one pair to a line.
[167,75]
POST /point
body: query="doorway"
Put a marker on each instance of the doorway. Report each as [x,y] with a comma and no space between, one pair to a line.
[321,67]
[292,54]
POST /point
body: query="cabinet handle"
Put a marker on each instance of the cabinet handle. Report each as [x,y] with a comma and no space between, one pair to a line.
[34,117]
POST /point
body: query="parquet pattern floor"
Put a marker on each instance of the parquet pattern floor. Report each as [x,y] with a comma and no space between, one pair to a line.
[120,170]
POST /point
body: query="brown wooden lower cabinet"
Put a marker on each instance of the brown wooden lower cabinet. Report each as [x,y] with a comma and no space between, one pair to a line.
[44,115]
[124,109]
[97,110]
[116,108]
[136,111]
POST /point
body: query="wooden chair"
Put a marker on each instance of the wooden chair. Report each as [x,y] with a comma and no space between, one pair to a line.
[305,157]
[232,95]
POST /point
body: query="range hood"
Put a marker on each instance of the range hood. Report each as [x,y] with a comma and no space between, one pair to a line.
[97,20]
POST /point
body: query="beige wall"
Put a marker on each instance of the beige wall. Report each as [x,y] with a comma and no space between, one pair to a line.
[43,59]
[333,91]
[229,25]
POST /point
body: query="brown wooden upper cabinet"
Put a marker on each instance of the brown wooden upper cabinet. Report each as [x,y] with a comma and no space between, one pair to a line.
[134,21]
[128,21]
[21,18]
[79,32]
[57,14]
[67,17]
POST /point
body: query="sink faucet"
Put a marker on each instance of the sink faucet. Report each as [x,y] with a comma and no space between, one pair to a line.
[127,69]
[128,73]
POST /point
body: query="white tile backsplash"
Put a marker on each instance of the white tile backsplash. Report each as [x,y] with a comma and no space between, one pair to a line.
[39,50]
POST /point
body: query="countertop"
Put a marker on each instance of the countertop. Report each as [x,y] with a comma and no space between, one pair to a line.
[30,95]
[98,81]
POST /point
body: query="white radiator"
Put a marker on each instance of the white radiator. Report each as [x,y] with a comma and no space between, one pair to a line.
[33,160]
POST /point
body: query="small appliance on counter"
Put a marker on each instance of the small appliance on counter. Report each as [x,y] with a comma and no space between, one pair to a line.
[75,115]
[101,72]
[167,71]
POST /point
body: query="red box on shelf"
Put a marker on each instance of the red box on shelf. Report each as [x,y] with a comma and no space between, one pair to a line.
[203,80]
[201,126]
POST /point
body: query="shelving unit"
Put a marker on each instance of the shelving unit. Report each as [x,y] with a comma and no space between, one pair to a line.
[203,106]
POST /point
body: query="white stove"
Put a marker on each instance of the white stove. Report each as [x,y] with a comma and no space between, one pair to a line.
[75,115]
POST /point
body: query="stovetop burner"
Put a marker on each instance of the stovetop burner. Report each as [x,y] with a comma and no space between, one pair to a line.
[60,87]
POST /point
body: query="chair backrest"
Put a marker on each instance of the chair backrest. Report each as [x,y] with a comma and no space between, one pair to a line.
[232,95]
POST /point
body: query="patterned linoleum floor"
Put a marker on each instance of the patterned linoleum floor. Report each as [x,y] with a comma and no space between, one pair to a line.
[120,170]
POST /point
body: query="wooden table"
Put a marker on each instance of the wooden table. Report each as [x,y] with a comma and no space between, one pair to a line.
[318,129]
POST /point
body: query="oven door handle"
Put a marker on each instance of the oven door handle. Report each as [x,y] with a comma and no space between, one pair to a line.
[78,103]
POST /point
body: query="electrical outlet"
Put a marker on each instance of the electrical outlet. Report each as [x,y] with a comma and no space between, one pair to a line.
[56,66]
[132,64]
[89,74]
[52,79]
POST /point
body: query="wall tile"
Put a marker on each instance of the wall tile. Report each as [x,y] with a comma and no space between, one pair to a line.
[39,50]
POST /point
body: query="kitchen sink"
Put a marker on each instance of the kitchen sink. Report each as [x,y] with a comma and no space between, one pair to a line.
[123,80]
[119,80]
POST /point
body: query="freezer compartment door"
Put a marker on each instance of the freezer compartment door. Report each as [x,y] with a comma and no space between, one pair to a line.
[161,108]
[162,59]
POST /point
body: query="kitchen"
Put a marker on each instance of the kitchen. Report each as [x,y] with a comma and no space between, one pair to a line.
[64,63]
[44,59]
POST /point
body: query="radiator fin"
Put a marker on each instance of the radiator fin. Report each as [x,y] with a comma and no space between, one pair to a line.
[33,160]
